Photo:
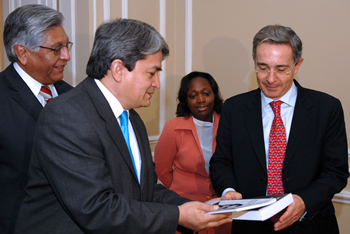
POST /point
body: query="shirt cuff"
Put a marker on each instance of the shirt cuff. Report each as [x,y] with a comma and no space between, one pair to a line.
[303,217]
[227,190]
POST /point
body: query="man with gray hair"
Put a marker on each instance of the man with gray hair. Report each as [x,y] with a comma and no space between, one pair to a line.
[282,138]
[37,47]
[92,170]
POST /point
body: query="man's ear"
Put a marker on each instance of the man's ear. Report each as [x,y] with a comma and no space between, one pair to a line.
[117,69]
[22,54]
[296,69]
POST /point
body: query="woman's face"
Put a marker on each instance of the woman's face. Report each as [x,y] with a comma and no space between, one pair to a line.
[200,98]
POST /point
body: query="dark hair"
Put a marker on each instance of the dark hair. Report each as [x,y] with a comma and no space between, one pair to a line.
[125,39]
[280,35]
[182,109]
[27,26]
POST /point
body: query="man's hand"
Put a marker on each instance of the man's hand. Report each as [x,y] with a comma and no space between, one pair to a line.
[193,216]
[233,195]
[292,214]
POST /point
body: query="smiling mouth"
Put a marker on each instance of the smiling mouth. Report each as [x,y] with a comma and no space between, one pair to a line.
[271,87]
[60,67]
[150,95]
[201,108]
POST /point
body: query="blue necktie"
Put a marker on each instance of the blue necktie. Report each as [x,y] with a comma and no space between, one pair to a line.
[123,118]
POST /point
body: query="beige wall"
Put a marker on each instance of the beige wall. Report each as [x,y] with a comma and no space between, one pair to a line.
[219,43]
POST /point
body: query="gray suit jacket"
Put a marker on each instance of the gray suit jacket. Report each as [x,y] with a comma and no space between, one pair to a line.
[19,112]
[81,177]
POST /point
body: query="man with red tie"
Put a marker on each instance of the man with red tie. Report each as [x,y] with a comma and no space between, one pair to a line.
[37,47]
[282,138]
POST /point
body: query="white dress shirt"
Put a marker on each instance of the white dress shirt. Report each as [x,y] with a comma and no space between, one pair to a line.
[117,110]
[34,85]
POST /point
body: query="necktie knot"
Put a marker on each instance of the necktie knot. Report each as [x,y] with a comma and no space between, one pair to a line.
[276,107]
[124,119]
[46,93]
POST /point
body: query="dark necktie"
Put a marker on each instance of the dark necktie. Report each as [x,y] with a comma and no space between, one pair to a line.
[123,118]
[46,93]
[277,149]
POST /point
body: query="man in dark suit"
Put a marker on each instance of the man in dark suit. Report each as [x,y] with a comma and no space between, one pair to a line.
[85,175]
[313,164]
[27,31]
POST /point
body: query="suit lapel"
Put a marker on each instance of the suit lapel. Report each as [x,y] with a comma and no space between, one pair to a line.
[253,122]
[112,125]
[21,93]
[188,124]
[301,119]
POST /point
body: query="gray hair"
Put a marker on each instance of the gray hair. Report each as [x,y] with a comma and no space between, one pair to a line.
[27,26]
[125,39]
[280,35]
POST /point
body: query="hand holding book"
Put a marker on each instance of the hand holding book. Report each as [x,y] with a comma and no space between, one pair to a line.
[254,209]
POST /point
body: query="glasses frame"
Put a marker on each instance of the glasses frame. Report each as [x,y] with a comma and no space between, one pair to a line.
[58,49]
[269,71]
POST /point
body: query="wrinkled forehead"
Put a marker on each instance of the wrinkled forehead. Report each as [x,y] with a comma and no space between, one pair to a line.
[274,52]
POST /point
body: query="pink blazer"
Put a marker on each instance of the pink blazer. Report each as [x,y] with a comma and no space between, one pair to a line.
[179,160]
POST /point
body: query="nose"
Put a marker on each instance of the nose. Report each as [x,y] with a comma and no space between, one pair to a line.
[65,54]
[271,77]
[200,98]
[156,82]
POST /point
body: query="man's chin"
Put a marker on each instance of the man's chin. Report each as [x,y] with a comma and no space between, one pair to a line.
[56,78]
[146,103]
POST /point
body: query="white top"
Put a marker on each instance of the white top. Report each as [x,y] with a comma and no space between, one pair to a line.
[205,136]
[34,85]
[117,111]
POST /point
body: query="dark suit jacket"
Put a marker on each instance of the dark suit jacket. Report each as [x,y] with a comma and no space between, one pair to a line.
[315,165]
[19,111]
[81,177]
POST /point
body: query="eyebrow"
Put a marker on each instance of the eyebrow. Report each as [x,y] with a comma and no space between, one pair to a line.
[58,43]
[156,67]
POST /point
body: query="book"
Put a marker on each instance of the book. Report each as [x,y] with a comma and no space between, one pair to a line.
[240,204]
[261,212]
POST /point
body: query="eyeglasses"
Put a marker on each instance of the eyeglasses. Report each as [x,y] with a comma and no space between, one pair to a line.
[59,48]
[263,70]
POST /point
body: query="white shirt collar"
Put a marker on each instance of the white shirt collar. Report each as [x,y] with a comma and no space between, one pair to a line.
[32,83]
[111,99]
[289,98]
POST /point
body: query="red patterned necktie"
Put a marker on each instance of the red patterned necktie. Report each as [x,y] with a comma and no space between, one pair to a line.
[277,149]
[46,93]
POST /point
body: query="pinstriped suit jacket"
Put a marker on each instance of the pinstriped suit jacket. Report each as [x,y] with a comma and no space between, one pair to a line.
[81,177]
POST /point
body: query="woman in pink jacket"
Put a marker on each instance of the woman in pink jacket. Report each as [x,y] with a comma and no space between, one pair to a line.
[187,142]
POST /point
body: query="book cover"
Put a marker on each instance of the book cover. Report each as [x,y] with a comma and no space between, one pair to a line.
[263,213]
[241,204]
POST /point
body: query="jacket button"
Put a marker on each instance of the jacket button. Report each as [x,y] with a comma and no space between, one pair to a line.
[208,179]
[208,198]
